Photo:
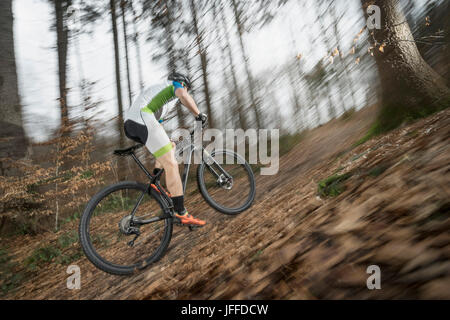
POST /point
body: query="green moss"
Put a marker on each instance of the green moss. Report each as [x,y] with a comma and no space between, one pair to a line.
[10,279]
[87,174]
[115,203]
[256,255]
[41,256]
[348,114]
[62,253]
[373,131]
[67,239]
[71,218]
[392,116]
[333,185]
[378,170]
[288,142]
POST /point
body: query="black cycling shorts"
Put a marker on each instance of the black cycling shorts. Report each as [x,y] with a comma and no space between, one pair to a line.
[136,131]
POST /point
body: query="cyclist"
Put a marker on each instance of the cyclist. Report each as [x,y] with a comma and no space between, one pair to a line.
[143,124]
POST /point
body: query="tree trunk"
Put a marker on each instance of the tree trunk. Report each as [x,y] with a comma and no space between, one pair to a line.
[296,100]
[62,39]
[239,104]
[169,43]
[204,63]
[410,87]
[172,56]
[328,46]
[11,127]
[136,44]
[227,117]
[123,5]
[117,68]
[343,64]
[254,103]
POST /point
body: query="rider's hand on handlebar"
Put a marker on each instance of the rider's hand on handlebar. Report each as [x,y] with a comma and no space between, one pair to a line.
[203,118]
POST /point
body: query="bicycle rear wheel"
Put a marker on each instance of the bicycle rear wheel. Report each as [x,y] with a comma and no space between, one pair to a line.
[106,228]
[226,181]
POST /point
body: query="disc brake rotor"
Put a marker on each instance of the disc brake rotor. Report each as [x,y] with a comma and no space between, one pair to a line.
[125,226]
[224,182]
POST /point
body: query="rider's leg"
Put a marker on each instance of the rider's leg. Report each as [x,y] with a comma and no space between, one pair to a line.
[158,165]
[159,144]
[173,182]
[173,179]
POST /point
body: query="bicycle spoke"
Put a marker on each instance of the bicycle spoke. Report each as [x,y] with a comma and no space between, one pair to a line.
[112,227]
[228,185]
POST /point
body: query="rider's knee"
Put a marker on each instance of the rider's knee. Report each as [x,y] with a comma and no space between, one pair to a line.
[171,163]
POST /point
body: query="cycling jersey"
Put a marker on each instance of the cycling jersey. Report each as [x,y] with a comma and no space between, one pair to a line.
[141,119]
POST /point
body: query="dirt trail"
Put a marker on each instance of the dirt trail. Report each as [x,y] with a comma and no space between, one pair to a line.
[291,244]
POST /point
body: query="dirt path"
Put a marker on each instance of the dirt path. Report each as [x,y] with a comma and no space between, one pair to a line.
[291,244]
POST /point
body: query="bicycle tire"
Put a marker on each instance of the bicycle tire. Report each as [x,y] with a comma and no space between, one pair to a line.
[203,190]
[86,242]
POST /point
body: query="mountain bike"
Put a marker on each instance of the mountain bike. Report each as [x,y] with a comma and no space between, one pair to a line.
[128,225]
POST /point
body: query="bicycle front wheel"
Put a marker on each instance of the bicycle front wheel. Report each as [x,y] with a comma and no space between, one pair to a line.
[111,221]
[226,181]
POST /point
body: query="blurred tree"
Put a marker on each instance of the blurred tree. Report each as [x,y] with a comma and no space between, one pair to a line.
[136,44]
[11,126]
[62,44]
[239,112]
[239,22]
[124,7]
[203,57]
[112,4]
[295,97]
[345,75]
[83,15]
[328,69]
[163,29]
[410,87]
[227,117]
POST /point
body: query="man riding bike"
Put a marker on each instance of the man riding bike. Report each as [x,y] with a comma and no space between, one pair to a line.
[143,124]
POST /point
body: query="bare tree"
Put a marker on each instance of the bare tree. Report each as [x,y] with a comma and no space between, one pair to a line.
[112,5]
[240,30]
[62,44]
[136,44]
[124,6]
[11,128]
[236,92]
[203,60]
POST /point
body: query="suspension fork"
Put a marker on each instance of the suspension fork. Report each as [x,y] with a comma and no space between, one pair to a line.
[210,167]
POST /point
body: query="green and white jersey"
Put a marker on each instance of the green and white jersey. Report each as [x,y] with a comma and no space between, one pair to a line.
[156,99]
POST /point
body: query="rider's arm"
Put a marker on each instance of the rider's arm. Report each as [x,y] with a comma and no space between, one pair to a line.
[187,100]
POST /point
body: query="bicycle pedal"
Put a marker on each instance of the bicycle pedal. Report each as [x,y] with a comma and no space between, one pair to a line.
[193,228]
[176,221]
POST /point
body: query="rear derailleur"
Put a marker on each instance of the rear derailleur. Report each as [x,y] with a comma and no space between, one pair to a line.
[127,227]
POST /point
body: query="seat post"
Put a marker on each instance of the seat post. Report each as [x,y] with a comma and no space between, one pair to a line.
[141,166]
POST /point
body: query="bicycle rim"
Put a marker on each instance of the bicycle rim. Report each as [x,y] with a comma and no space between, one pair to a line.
[104,228]
[229,196]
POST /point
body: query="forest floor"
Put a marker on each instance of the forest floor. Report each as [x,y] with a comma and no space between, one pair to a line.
[393,212]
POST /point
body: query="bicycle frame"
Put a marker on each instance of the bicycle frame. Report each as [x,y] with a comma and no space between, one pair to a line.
[191,148]
[154,182]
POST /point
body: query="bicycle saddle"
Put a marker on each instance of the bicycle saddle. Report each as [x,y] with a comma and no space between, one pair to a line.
[127,151]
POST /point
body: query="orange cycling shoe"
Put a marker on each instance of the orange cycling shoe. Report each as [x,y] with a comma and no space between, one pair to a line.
[190,220]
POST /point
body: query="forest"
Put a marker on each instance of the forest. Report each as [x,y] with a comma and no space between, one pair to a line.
[320,71]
